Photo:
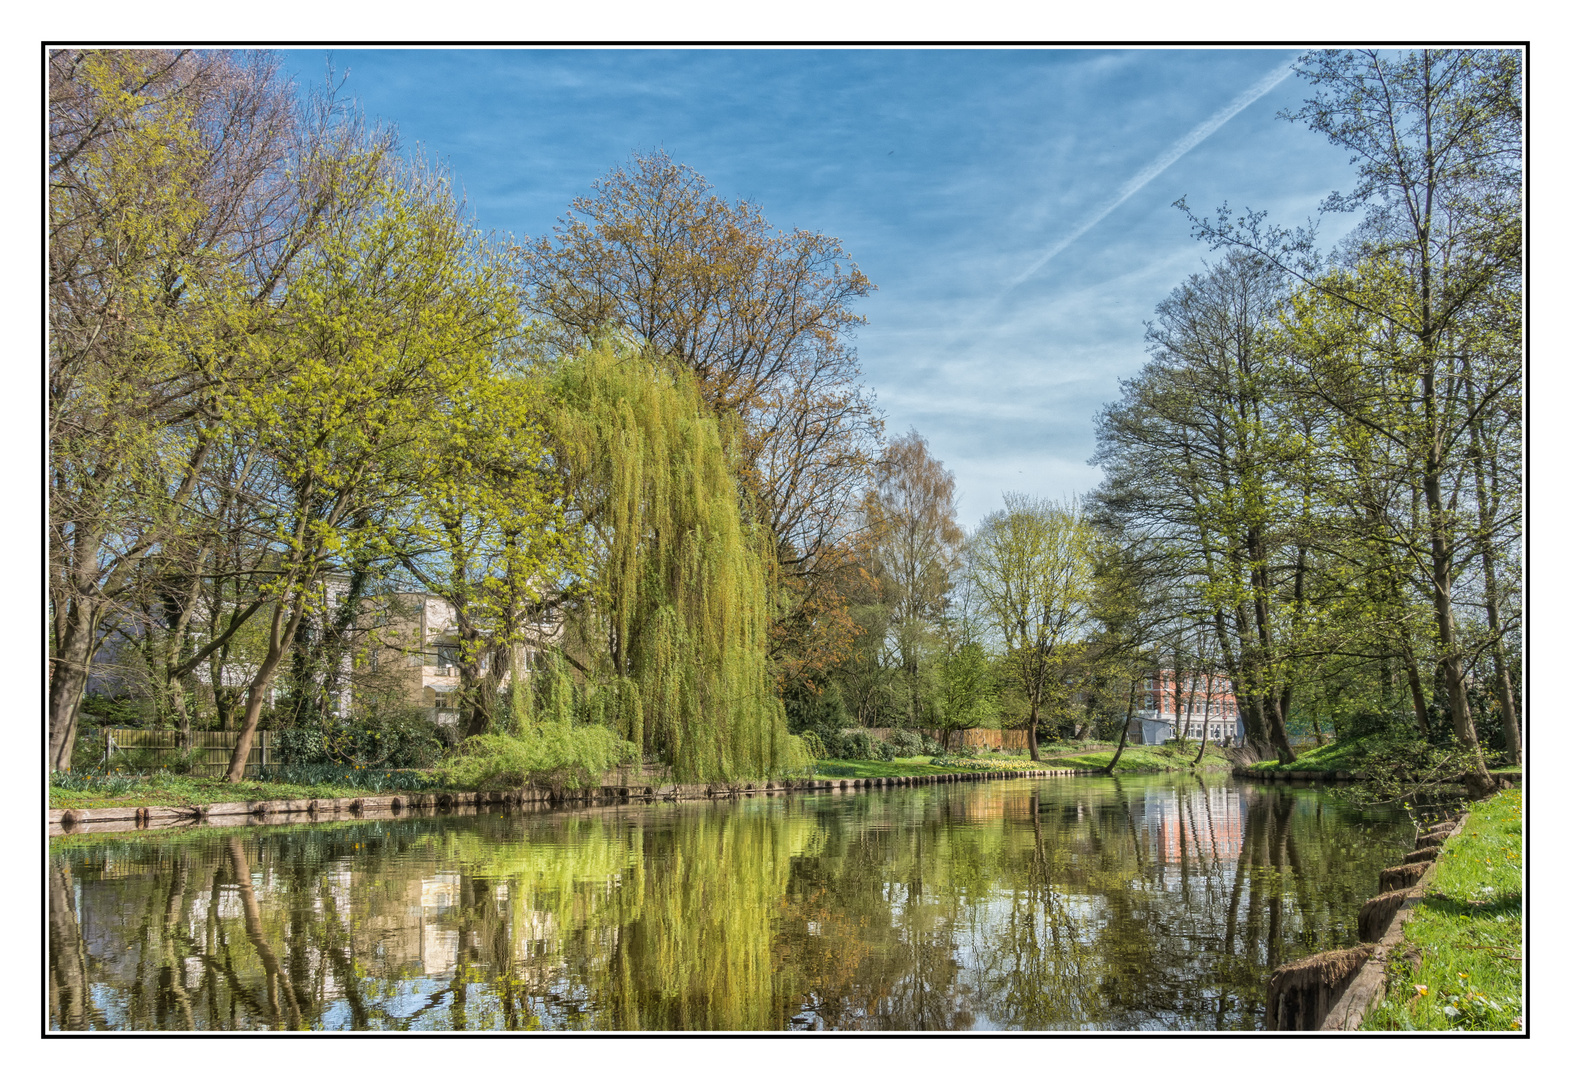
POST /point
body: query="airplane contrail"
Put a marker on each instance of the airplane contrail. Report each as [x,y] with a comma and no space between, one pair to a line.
[1160,165]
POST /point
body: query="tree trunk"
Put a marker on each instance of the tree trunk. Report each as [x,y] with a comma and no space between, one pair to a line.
[1123,735]
[182,713]
[1441,554]
[1507,705]
[1278,730]
[1205,722]
[1276,722]
[275,981]
[1451,652]
[1488,502]
[1415,686]
[279,639]
[68,672]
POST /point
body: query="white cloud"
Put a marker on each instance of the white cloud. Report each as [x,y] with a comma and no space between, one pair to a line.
[1160,165]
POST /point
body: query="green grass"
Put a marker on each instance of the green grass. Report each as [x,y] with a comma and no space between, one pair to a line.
[1463,967]
[1141,759]
[1345,754]
[1136,759]
[168,789]
[837,769]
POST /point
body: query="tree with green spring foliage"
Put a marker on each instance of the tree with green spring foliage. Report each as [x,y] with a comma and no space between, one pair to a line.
[678,597]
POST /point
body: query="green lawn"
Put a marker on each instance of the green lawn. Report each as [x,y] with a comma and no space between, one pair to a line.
[1136,759]
[1464,968]
[1140,759]
[838,769]
[166,789]
[835,769]
[1344,754]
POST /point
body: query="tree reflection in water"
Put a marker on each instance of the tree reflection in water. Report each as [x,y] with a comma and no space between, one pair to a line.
[1077,903]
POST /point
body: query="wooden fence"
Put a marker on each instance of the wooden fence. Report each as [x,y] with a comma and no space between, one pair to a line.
[981,738]
[140,749]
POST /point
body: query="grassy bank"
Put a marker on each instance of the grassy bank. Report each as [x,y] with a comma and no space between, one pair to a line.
[1351,755]
[169,789]
[836,769]
[1347,754]
[332,782]
[1135,759]
[1140,759]
[1462,969]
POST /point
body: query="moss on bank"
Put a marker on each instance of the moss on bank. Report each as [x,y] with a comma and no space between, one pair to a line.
[1462,965]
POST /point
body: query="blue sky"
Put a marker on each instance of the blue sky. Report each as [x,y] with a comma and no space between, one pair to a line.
[1007,203]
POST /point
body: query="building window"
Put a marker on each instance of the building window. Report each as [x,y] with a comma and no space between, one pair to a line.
[447,656]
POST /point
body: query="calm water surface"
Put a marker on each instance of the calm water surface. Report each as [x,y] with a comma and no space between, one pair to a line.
[1156,903]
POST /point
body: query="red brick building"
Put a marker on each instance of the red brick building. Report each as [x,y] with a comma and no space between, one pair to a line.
[1164,709]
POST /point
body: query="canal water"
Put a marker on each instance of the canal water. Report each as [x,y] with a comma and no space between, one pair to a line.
[1154,903]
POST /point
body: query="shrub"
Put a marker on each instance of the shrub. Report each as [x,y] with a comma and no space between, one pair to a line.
[905,743]
[397,739]
[1365,721]
[555,755]
[88,753]
[305,745]
[856,746]
[354,776]
[807,711]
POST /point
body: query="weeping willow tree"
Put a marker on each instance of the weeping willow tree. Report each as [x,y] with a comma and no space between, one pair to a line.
[678,610]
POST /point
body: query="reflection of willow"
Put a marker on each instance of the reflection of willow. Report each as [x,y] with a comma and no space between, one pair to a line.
[635,926]
[584,921]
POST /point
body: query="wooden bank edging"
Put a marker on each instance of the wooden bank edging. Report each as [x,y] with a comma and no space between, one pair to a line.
[1334,991]
[274,811]
[1368,988]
